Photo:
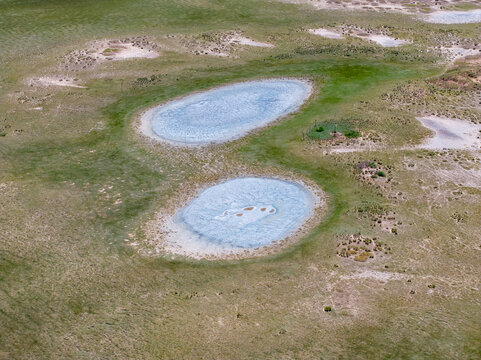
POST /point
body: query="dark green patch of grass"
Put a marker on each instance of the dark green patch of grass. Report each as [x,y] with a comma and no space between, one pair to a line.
[352,134]
[326,131]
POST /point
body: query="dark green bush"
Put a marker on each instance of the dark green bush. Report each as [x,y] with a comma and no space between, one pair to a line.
[352,134]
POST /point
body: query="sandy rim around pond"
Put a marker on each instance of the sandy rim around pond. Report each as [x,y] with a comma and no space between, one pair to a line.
[160,237]
[142,123]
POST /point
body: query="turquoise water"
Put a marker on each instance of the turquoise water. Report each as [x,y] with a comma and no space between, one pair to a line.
[224,113]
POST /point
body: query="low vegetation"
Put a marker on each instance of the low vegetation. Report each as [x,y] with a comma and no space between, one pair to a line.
[331,131]
[77,186]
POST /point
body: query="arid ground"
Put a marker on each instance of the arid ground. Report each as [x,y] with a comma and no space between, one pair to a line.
[389,269]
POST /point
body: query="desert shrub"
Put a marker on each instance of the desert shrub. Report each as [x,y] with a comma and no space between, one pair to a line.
[380,173]
[352,134]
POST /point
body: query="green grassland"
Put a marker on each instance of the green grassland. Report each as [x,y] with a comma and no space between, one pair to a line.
[77,184]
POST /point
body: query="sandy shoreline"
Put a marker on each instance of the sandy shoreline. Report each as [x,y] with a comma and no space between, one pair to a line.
[160,230]
[143,120]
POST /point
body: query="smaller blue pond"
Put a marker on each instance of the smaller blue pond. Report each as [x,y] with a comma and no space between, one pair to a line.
[454,17]
[246,213]
[224,113]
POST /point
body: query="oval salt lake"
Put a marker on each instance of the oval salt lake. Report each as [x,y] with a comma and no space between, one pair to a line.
[224,113]
[454,17]
[240,214]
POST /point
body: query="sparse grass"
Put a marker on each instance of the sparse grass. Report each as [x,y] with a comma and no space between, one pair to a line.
[72,287]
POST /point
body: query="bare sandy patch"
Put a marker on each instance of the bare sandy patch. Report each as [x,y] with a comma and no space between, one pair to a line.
[45,81]
[221,44]
[327,33]
[460,175]
[242,40]
[448,170]
[391,6]
[454,53]
[353,6]
[355,148]
[384,40]
[104,50]
[369,35]
[375,275]
[451,133]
